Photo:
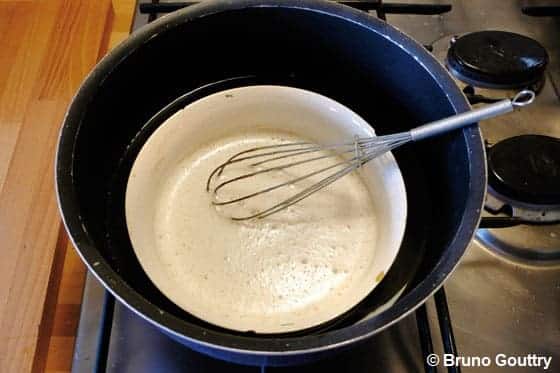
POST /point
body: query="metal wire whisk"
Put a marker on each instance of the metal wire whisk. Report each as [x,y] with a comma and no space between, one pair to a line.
[358,152]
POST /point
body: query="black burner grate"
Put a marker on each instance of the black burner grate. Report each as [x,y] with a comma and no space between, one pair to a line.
[382,8]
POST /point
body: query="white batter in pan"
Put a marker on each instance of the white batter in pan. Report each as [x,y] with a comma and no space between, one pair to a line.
[293,262]
[290,271]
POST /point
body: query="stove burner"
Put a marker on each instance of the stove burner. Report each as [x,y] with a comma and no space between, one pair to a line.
[497,59]
[526,168]
[524,184]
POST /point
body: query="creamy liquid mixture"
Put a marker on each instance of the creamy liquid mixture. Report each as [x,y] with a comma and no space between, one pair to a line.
[288,263]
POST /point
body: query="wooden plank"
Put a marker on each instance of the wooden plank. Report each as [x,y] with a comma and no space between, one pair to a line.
[74,47]
[63,324]
[60,354]
[29,225]
[123,17]
[24,38]
[49,306]
[52,44]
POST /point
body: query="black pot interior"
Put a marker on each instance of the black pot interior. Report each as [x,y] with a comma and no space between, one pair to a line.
[331,56]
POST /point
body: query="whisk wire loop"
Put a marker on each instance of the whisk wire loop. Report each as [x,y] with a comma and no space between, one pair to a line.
[363,149]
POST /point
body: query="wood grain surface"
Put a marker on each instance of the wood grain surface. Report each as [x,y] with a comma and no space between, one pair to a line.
[46,49]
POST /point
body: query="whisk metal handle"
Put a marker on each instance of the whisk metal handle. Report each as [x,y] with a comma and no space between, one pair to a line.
[438,127]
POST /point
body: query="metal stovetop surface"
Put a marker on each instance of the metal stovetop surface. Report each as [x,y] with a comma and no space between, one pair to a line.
[496,307]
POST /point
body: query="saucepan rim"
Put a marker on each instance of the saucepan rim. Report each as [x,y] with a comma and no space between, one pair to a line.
[188,332]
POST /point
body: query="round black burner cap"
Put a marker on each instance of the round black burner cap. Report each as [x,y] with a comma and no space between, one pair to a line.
[497,59]
[526,168]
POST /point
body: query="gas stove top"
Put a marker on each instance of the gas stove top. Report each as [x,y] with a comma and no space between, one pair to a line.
[502,299]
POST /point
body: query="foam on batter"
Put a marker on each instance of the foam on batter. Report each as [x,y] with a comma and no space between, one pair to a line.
[249,274]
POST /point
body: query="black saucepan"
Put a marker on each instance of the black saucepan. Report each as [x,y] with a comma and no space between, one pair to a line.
[345,54]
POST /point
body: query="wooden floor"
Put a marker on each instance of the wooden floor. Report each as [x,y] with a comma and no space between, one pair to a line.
[46,49]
